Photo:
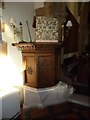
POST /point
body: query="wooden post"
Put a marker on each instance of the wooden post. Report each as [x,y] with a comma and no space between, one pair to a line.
[3,48]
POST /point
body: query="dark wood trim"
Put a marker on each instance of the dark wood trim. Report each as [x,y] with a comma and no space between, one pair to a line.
[83,26]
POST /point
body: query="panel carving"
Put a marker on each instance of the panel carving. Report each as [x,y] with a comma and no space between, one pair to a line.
[45,70]
[29,70]
[25,46]
[44,65]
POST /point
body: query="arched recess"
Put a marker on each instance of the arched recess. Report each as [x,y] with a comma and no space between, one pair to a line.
[84,29]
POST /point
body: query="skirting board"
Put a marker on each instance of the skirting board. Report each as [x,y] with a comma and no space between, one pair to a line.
[80,99]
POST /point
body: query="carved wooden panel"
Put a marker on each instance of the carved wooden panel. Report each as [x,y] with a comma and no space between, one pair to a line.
[45,70]
[31,70]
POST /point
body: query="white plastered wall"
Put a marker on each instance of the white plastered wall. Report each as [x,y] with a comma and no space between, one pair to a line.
[21,12]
